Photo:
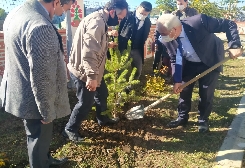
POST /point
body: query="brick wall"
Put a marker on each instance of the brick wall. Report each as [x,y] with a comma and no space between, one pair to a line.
[148,44]
[2,53]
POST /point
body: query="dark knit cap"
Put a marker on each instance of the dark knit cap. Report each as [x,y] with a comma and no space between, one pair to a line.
[146,5]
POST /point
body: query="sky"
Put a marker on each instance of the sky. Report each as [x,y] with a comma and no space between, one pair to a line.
[135,3]
[8,4]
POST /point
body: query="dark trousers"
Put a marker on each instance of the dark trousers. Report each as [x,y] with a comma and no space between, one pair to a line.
[85,102]
[157,56]
[137,62]
[161,52]
[207,86]
[38,141]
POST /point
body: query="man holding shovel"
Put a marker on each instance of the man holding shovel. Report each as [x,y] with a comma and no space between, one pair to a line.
[195,42]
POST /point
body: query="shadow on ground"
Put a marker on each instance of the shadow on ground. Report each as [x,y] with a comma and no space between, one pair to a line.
[139,143]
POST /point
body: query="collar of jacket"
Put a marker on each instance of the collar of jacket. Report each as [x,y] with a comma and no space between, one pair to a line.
[186,9]
[104,15]
[131,14]
[44,8]
[38,7]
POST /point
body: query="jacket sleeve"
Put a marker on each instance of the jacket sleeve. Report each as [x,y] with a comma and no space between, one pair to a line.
[177,66]
[216,25]
[195,12]
[42,55]
[121,25]
[147,29]
[191,12]
[95,29]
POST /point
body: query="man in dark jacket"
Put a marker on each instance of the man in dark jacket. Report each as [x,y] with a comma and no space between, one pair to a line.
[160,51]
[183,10]
[135,27]
[197,44]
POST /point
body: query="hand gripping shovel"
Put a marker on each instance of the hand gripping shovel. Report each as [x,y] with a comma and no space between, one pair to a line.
[138,111]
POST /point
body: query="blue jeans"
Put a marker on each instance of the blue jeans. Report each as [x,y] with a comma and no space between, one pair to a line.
[86,100]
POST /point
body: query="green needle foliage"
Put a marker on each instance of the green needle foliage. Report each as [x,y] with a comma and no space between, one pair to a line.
[119,76]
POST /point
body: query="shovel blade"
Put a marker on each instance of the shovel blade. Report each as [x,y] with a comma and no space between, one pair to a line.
[135,113]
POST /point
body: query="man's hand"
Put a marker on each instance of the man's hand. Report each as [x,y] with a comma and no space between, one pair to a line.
[91,85]
[176,88]
[43,122]
[234,53]
[112,44]
[113,33]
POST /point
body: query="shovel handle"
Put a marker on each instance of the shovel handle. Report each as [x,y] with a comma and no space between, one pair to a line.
[204,73]
[157,102]
[189,82]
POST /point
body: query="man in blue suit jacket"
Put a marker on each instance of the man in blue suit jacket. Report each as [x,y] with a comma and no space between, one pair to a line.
[192,42]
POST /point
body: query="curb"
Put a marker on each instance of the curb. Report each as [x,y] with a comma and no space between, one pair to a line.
[232,150]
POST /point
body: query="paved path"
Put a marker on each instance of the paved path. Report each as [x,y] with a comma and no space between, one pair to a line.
[231,152]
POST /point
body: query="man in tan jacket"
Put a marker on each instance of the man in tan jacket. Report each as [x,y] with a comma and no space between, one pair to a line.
[87,63]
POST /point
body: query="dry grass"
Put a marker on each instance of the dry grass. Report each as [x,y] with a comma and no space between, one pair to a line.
[140,143]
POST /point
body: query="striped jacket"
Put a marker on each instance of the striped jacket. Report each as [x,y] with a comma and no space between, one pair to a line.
[34,85]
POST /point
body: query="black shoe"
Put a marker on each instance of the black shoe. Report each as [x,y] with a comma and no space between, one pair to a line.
[203,126]
[57,162]
[107,121]
[72,136]
[178,122]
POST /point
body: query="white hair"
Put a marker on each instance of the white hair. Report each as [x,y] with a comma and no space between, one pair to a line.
[168,21]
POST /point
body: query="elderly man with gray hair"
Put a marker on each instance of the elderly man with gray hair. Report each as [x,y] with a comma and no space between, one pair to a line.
[195,42]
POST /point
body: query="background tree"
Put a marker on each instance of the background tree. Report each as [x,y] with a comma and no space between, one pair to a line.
[209,8]
[222,8]
[232,11]
[166,5]
[3,14]
[155,11]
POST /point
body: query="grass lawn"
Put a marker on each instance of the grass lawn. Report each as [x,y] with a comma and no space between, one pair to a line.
[140,143]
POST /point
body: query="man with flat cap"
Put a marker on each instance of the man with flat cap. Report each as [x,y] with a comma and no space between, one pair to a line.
[135,27]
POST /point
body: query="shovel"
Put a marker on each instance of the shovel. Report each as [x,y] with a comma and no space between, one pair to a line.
[138,112]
